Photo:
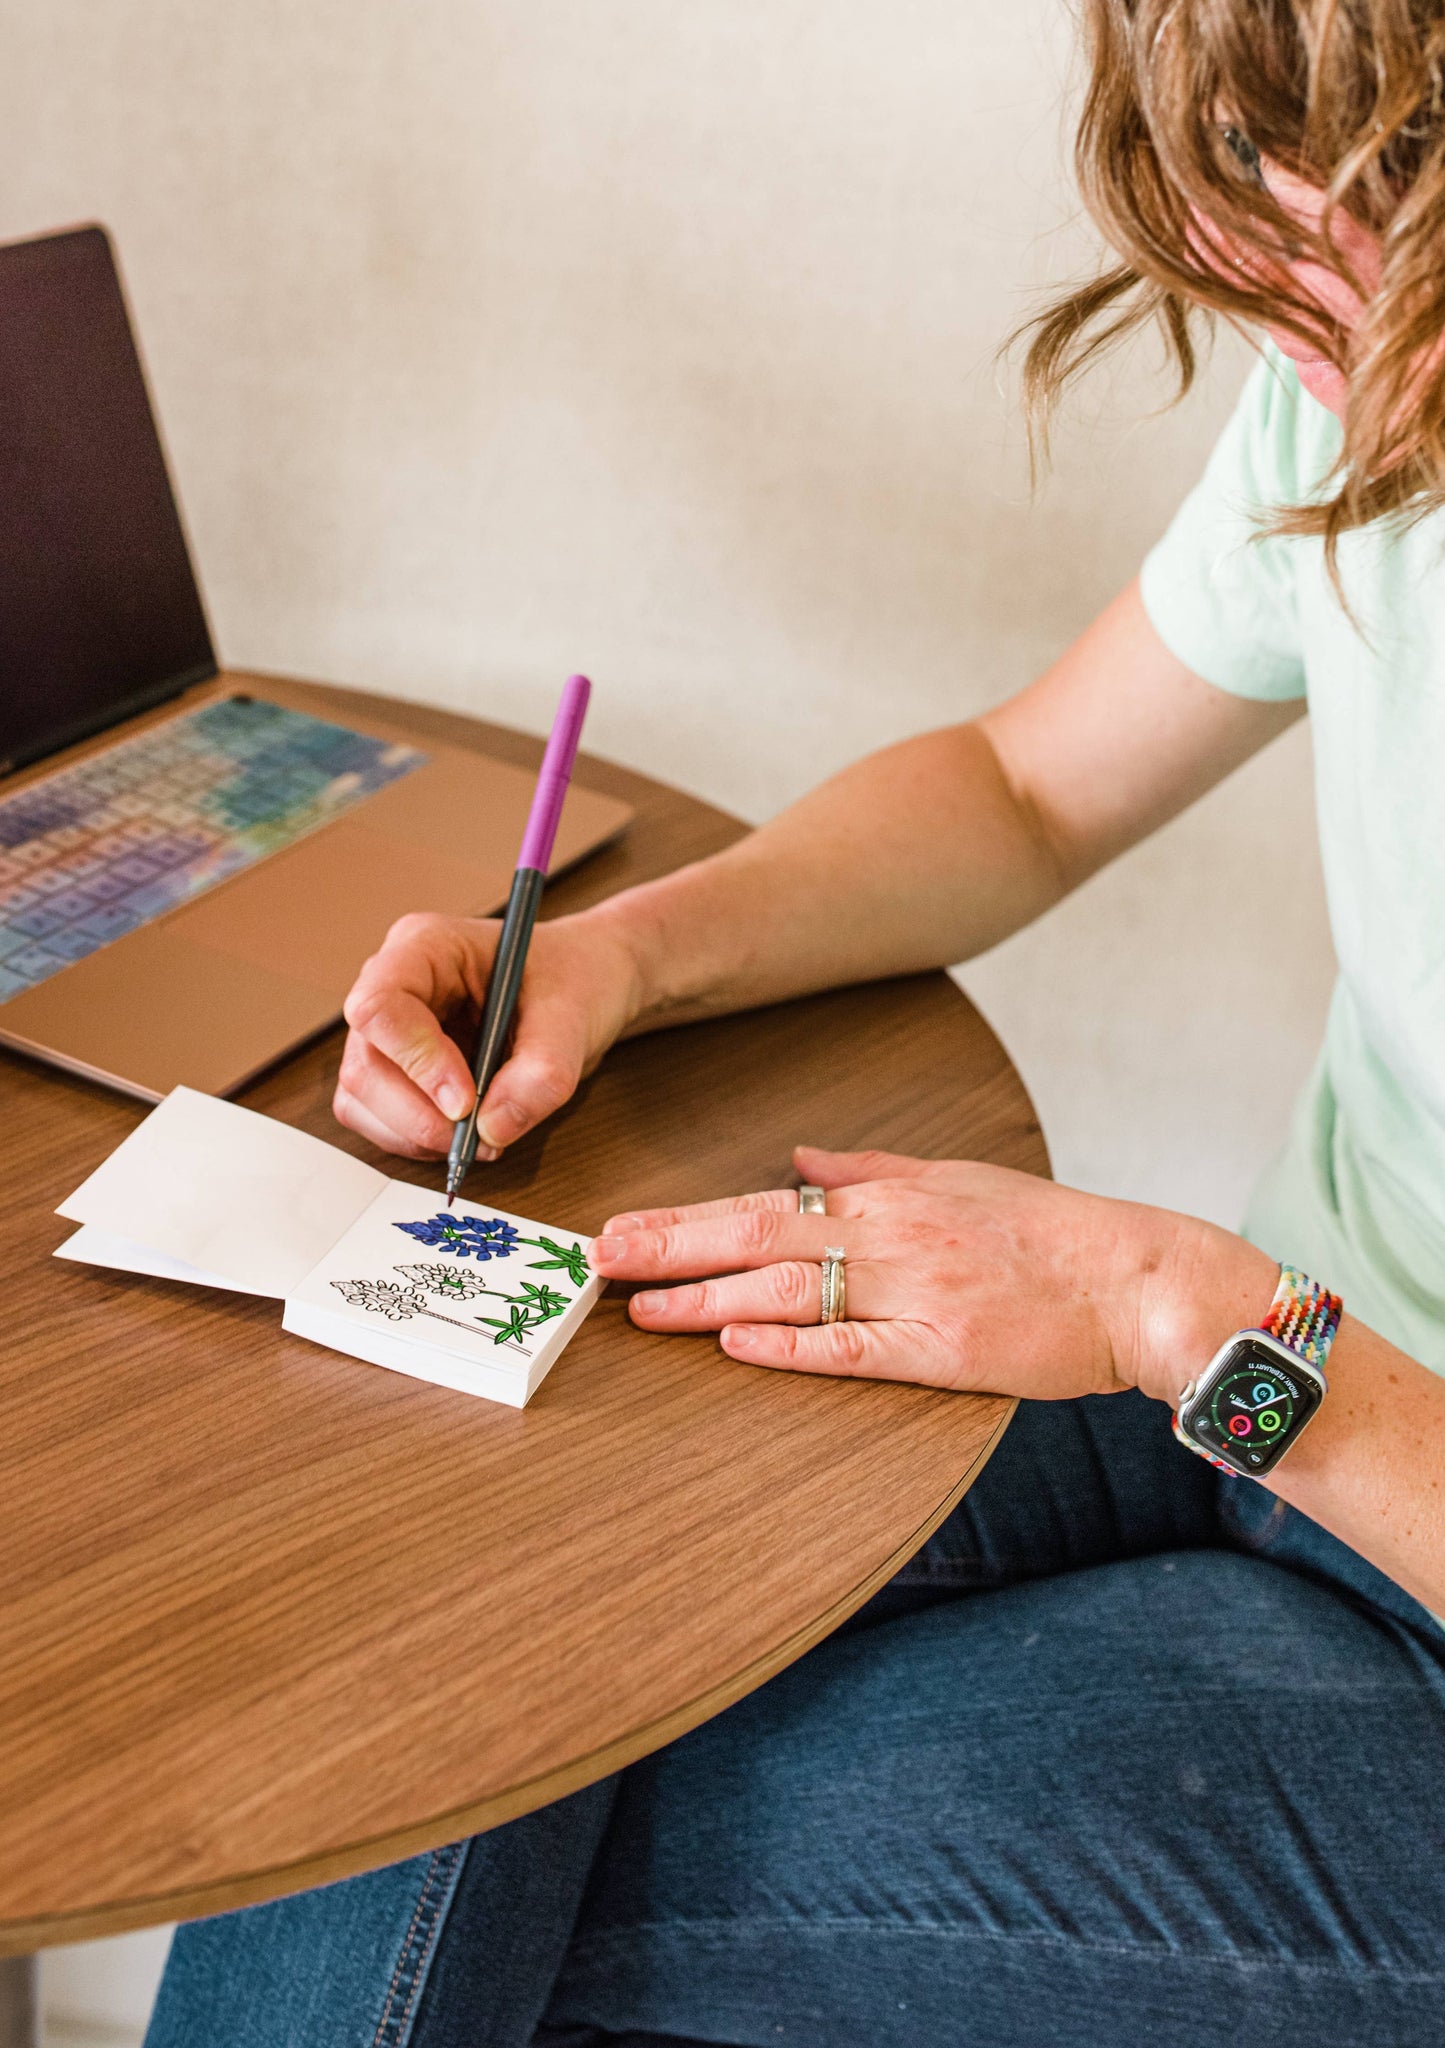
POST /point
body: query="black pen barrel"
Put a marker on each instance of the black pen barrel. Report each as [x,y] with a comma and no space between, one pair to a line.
[499,1008]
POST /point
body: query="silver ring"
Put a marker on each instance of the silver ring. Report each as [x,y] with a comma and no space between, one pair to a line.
[835,1286]
[812,1201]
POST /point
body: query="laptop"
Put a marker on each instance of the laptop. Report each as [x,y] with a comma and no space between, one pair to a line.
[193,863]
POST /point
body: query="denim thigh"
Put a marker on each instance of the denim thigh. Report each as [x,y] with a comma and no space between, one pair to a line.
[1071,1484]
[966,1820]
[351,1965]
[1175,1798]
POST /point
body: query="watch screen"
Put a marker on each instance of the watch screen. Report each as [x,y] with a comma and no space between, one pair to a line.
[1255,1407]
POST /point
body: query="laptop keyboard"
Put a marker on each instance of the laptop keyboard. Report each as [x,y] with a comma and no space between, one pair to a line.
[99,849]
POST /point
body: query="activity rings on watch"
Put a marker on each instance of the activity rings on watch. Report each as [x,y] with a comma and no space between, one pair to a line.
[835,1286]
[1251,1402]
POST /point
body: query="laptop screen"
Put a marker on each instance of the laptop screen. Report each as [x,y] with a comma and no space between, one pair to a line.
[99,611]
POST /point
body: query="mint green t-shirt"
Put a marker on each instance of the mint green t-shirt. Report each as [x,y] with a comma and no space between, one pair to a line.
[1357,1198]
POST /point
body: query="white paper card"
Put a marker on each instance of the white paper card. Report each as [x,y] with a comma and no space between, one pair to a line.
[470,1297]
[92,1246]
[238,1195]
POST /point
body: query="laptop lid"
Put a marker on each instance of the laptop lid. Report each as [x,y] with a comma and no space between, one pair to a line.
[100,615]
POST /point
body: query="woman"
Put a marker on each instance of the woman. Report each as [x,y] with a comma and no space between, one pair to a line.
[1138,1748]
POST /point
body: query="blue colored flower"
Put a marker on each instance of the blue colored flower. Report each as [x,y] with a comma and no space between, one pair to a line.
[476,1237]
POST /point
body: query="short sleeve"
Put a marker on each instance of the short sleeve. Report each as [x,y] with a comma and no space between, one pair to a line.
[1220,595]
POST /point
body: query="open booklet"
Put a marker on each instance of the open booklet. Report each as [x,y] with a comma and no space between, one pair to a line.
[205,1191]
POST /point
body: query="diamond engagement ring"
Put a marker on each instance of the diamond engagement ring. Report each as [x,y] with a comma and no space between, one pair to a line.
[835,1286]
[812,1201]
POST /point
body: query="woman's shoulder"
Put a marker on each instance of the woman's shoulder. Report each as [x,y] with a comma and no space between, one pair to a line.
[1283,441]
[1219,588]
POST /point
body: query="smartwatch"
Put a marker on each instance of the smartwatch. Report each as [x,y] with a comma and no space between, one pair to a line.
[1262,1387]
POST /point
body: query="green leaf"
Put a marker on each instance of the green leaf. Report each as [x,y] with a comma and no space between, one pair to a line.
[544,1302]
[513,1330]
[570,1259]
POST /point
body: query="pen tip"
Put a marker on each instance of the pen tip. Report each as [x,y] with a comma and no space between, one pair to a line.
[451,1196]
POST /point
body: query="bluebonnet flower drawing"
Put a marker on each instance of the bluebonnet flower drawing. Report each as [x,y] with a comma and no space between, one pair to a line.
[457,1281]
[490,1237]
[400,1304]
[476,1237]
[384,1298]
[537,1303]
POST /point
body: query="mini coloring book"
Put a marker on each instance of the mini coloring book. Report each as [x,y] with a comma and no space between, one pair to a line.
[471,1297]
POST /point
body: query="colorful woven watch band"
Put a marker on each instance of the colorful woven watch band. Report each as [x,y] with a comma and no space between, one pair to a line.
[1304,1316]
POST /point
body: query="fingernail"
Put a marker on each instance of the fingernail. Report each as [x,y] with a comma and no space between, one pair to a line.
[454,1100]
[737,1337]
[649,1304]
[487,1154]
[606,1249]
[501,1123]
[624,1224]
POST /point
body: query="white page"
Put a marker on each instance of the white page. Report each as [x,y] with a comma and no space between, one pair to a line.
[513,1387]
[389,1296]
[92,1246]
[249,1201]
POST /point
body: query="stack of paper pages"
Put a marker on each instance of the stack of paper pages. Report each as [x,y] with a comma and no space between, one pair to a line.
[469,1297]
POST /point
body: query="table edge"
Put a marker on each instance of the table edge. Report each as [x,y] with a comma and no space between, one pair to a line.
[22,1937]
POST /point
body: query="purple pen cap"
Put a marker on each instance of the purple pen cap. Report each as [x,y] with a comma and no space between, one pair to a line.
[556,773]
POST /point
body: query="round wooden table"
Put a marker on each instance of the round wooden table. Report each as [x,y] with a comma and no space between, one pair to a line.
[269,1616]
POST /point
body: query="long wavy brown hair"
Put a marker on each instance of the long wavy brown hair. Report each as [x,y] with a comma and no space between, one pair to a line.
[1183,98]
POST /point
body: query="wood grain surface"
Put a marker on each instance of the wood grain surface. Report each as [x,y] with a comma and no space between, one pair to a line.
[269,1616]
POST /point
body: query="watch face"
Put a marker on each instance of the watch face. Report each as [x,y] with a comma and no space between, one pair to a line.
[1252,1408]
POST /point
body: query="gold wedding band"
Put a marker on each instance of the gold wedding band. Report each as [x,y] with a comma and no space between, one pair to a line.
[835,1286]
[812,1201]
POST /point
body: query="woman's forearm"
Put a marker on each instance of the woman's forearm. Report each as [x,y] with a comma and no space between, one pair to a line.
[1370,1468]
[926,853]
[912,858]
[936,849]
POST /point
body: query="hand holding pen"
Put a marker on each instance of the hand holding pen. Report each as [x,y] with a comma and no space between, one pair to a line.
[505,984]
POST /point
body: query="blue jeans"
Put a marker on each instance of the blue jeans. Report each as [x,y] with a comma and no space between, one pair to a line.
[1130,1756]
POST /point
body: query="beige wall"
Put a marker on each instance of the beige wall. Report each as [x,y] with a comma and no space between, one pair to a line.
[499,337]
